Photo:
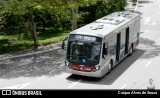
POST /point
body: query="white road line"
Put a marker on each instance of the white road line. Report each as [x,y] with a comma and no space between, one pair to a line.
[55,69]
[123,86]
[74,83]
[145,31]
[17,86]
[40,77]
[148,64]
[52,71]
[60,66]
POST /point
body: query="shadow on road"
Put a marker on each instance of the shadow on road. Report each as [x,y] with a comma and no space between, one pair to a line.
[152,50]
[140,6]
[37,65]
[108,79]
[144,2]
[141,13]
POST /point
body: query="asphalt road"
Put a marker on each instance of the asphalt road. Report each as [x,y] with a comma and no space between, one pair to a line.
[45,70]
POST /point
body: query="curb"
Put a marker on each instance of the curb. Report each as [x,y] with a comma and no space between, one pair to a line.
[29,54]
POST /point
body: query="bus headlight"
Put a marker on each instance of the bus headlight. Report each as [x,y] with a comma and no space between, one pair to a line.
[67,64]
[96,68]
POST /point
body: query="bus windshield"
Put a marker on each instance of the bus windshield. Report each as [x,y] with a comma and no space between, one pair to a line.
[84,49]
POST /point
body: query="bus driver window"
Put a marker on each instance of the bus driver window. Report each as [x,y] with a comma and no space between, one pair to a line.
[95,51]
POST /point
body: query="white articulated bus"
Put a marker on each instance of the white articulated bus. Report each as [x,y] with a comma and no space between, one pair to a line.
[94,49]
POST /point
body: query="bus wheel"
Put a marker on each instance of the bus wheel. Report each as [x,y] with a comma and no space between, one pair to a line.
[131,51]
[109,67]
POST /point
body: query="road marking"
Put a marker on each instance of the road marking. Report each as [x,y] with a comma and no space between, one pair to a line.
[40,77]
[145,31]
[17,86]
[148,64]
[123,86]
[61,66]
[55,69]
[74,83]
[52,71]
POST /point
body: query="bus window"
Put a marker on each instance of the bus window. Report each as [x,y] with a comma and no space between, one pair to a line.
[105,49]
[95,51]
[84,49]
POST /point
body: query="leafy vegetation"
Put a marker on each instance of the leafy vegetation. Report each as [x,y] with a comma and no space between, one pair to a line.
[30,23]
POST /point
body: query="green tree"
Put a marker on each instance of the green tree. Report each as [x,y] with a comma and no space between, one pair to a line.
[63,12]
[25,7]
[102,8]
[72,7]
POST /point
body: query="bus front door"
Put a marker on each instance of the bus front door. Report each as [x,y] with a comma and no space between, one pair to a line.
[127,41]
[118,46]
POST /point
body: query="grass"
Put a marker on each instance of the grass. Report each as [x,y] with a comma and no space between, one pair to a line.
[52,36]
[12,41]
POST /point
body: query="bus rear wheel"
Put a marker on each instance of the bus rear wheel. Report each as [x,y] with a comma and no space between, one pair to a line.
[131,50]
[110,67]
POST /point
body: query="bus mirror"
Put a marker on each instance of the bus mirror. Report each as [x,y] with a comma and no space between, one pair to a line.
[63,45]
[106,49]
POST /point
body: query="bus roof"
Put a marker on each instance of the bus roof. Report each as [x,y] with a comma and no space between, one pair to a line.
[106,24]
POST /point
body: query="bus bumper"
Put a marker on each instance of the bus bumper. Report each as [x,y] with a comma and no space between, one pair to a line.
[81,73]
